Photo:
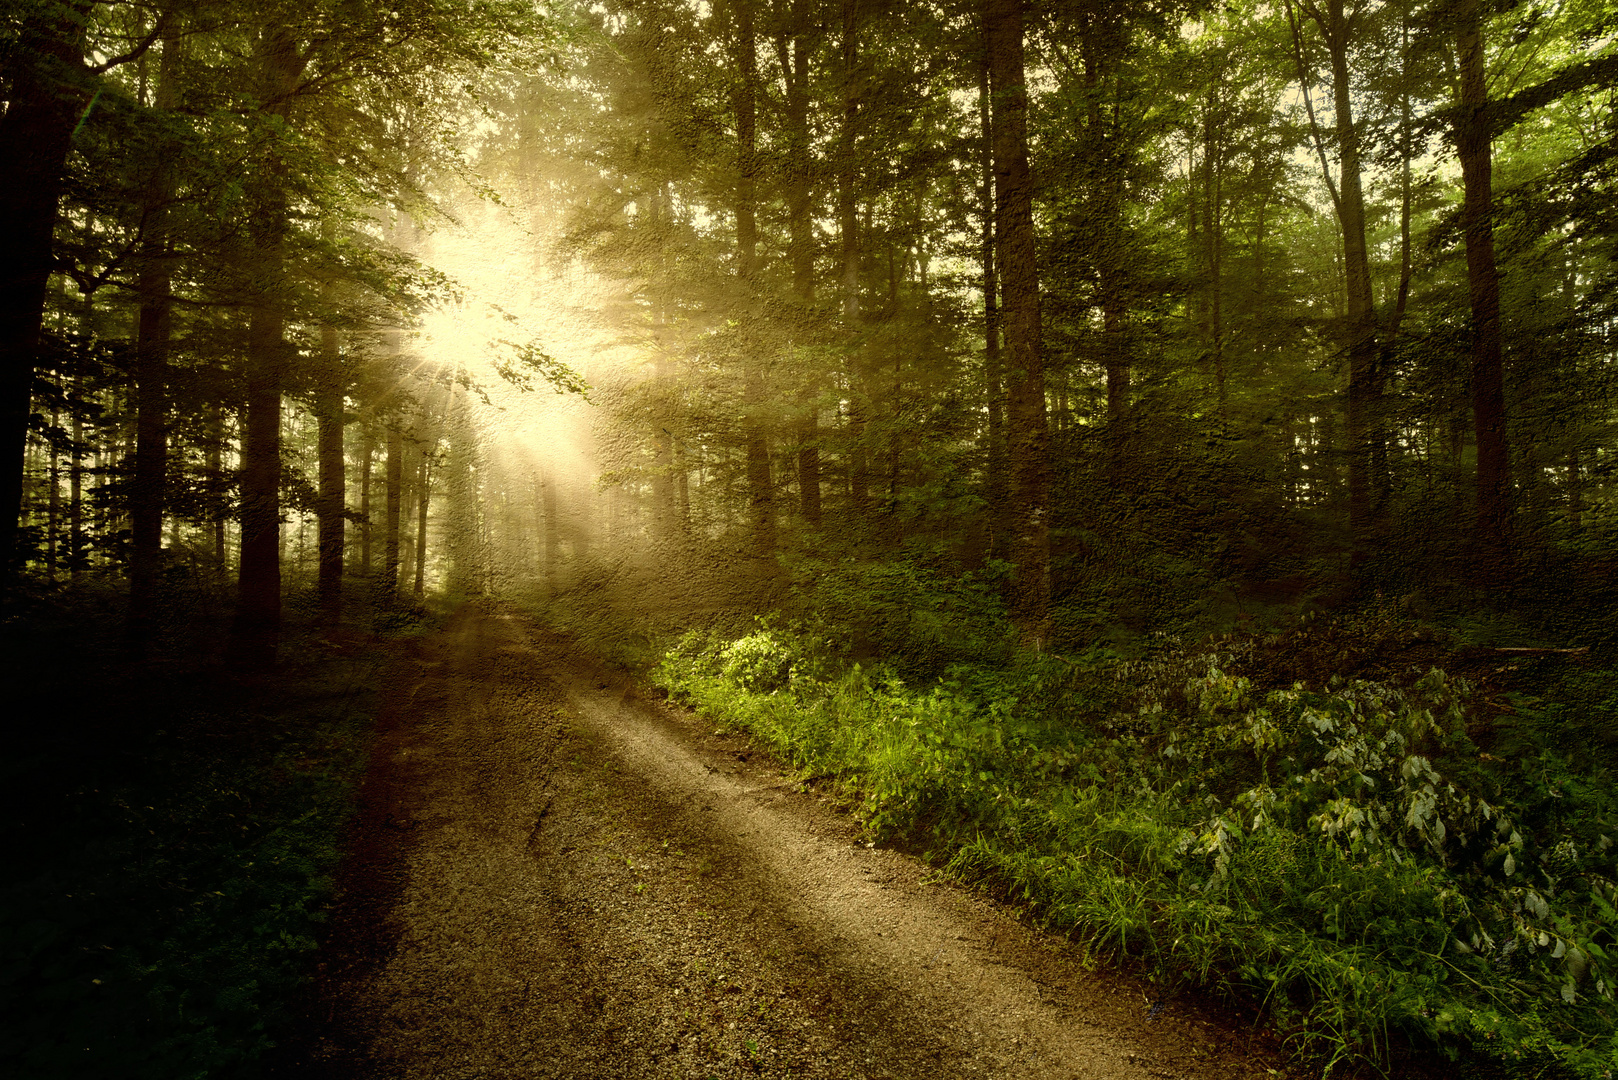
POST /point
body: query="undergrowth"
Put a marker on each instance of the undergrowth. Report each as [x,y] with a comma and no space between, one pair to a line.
[1346,855]
[169,836]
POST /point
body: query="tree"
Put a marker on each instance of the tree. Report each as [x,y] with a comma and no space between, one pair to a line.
[1027,449]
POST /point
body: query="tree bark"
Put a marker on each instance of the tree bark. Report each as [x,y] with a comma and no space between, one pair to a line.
[1098,62]
[1474,148]
[761,494]
[1364,429]
[390,537]
[153,330]
[747,158]
[422,500]
[1027,439]
[1365,434]
[859,468]
[255,635]
[328,407]
[215,465]
[367,454]
[793,53]
[75,482]
[794,57]
[993,363]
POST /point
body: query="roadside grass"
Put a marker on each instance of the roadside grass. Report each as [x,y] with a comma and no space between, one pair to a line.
[170,835]
[1343,855]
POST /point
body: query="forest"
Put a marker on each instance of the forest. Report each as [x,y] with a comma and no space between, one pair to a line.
[1158,461]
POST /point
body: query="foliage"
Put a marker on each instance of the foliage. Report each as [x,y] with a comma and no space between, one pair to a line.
[1344,855]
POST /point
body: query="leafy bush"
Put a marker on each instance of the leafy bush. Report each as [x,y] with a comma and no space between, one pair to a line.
[760,663]
[1347,855]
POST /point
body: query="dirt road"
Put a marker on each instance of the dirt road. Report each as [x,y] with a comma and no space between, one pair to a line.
[552,877]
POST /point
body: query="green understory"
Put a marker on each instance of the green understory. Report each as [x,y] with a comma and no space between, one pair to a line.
[1377,862]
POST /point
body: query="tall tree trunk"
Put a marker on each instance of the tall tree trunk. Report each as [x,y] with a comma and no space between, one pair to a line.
[793,53]
[390,537]
[426,490]
[859,469]
[153,328]
[216,480]
[794,58]
[1473,147]
[45,92]
[1364,405]
[993,364]
[328,406]
[747,158]
[1575,489]
[367,453]
[255,635]
[809,458]
[1213,162]
[1365,424]
[1027,440]
[1097,70]
[53,532]
[75,480]
[759,484]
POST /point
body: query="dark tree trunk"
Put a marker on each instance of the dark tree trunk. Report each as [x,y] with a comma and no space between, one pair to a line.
[424,496]
[809,462]
[53,532]
[1473,146]
[794,58]
[390,537]
[848,168]
[859,467]
[218,505]
[75,481]
[1027,440]
[747,158]
[255,636]
[328,408]
[793,51]
[153,330]
[760,486]
[993,363]
[1364,379]
[761,495]
[146,496]
[367,453]
[45,93]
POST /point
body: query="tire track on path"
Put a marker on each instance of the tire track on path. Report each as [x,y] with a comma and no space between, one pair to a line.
[552,877]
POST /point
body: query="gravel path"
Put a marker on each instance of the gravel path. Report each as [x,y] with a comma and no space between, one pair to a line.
[552,877]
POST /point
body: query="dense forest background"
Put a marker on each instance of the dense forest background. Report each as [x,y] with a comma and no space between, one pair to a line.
[959,340]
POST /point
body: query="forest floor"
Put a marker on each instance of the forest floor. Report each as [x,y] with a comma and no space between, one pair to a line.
[551,875]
